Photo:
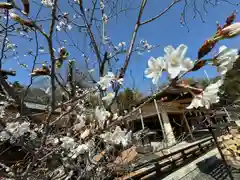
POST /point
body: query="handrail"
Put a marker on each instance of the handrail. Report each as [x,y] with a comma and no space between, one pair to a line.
[155,166]
[173,153]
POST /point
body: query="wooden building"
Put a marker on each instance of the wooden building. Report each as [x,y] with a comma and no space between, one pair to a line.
[168,116]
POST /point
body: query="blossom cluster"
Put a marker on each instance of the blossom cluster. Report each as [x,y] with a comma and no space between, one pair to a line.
[176,64]
[14,130]
[109,80]
[47,3]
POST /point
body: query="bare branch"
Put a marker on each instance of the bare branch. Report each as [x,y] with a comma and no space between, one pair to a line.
[162,13]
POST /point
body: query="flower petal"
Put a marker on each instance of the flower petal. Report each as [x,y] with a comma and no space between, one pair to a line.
[181,51]
[152,62]
[188,64]
[156,78]
[174,71]
[169,50]
[149,73]
[161,62]
[196,102]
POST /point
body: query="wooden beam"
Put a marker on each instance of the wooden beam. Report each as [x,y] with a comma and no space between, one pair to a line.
[186,100]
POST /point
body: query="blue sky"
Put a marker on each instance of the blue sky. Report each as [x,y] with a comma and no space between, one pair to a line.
[167,30]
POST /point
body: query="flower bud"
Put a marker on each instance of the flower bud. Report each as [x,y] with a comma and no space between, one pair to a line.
[231,30]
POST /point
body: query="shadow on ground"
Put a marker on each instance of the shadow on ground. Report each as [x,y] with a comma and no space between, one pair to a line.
[214,169]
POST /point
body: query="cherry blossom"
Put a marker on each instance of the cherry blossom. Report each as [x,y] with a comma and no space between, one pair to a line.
[225,59]
[122,44]
[105,18]
[207,97]
[105,81]
[4,136]
[156,67]
[109,97]
[101,116]
[77,1]
[144,46]
[47,3]
[176,61]
[52,140]
[81,119]
[67,142]
[120,81]
[80,149]
[102,5]
[85,134]
[14,130]
[64,23]
[118,136]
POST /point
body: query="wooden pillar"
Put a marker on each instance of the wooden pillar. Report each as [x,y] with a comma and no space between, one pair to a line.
[167,128]
[160,120]
[188,127]
[229,118]
[141,117]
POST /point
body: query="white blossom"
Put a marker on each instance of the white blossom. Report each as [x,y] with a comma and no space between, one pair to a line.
[47,3]
[85,134]
[17,115]
[2,110]
[52,140]
[176,61]
[67,142]
[33,135]
[225,59]
[105,19]
[77,1]
[4,136]
[109,97]
[63,25]
[156,67]
[118,136]
[105,81]
[24,127]
[101,116]
[41,49]
[115,116]
[102,5]
[207,97]
[144,46]
[122,44]
[81,119]
[120,81]
[11,46]
[81,149]
[15,130]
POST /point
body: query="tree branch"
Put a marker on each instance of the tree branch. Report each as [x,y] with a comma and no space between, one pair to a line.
[94,43]
[162,13]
